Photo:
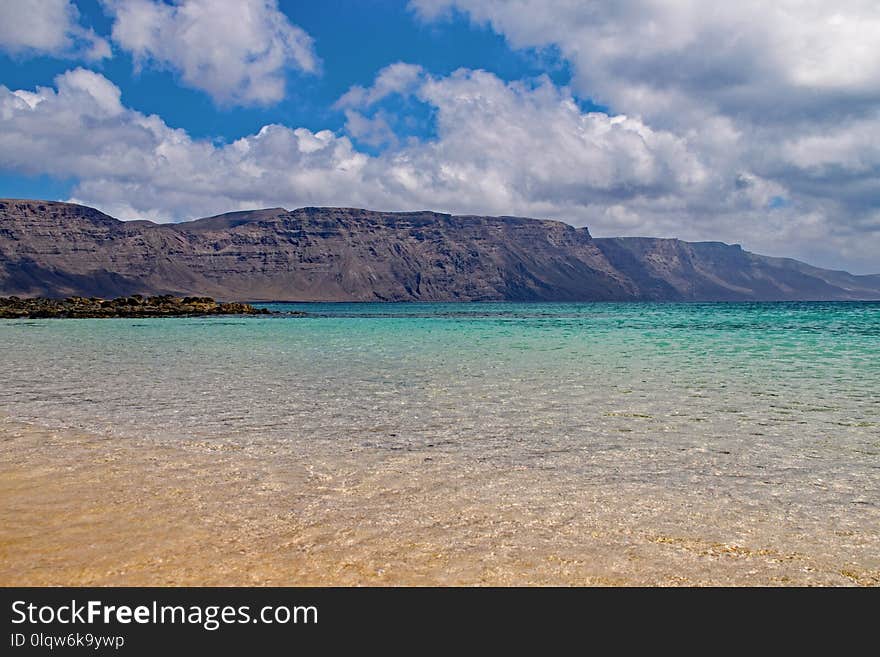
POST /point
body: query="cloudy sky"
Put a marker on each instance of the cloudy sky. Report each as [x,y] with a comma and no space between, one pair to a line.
[752,122]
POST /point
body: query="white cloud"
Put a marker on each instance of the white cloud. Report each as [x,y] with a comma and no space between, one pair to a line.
[373,131]
[654,58]
[523,148]
[238,51]
[126,159]
[506,147]
[783,94]
[48,27]
[397,78]
[500,147]
[851,147]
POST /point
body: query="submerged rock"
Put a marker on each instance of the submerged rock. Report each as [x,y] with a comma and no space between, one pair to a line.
[131,306]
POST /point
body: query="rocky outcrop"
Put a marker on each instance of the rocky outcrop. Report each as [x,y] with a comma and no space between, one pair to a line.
[344,254]
[133,306]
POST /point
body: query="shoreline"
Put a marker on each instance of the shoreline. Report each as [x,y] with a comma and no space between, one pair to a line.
[89,510]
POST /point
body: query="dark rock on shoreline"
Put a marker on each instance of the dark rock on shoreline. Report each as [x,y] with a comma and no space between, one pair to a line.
[132,306]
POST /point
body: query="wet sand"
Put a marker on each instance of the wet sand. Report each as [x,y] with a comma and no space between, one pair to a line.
[88,510]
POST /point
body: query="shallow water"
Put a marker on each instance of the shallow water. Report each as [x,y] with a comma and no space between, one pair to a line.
[708,423]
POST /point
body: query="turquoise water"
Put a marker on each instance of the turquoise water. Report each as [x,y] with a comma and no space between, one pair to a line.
[804,374]
[486,371]
[769,406]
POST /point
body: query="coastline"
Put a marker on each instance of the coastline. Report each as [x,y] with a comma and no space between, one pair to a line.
[90,510]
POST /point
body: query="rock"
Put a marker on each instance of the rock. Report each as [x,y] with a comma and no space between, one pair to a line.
[134,306]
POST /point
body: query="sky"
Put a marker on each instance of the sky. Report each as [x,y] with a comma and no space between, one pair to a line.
[752,122]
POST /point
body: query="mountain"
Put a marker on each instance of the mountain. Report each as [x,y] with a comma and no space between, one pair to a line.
[344,254]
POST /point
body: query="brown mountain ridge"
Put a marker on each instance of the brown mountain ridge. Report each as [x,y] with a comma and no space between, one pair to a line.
[343,254]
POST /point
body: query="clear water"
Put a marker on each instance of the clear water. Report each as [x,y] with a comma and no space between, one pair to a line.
[746,412]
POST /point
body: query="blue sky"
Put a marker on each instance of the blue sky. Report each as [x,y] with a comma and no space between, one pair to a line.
[354,41]
[756,124]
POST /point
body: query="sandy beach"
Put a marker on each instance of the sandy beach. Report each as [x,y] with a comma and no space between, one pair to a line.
[85,510]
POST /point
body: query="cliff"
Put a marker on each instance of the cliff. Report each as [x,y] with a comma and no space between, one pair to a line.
[343,254]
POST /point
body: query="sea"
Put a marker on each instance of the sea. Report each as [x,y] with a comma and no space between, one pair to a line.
[738,441]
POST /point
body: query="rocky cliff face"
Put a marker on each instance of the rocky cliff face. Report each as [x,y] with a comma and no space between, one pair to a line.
[343,254]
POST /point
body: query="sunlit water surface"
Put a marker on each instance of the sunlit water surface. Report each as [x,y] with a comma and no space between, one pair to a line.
[683,424]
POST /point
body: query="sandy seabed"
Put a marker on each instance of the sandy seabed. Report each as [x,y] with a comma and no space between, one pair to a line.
[90,510]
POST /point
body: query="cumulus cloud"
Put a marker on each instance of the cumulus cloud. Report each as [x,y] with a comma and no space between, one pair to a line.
[519,146]
[500,147]
[374,131]
[135,163]
[397,78]
[523,147]
[661,58]
[235,50]
[48,27]
[785,95]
